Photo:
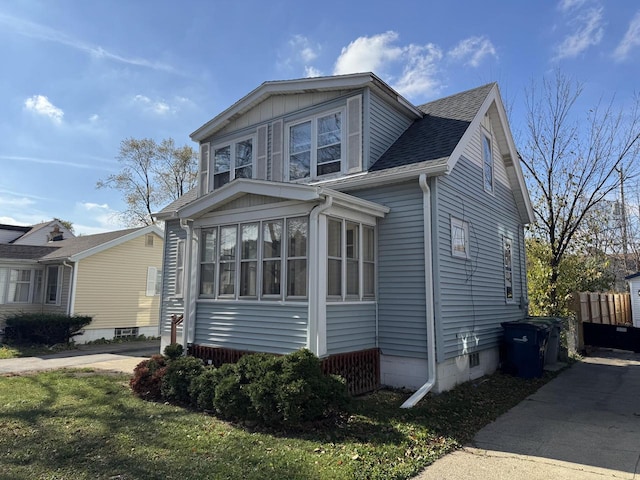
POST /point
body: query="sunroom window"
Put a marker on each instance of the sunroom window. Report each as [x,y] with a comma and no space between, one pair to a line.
[234,257]
[234,160]
[316,146]
[350,260]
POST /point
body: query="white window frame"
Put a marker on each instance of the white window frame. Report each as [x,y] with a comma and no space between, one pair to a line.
[178,287]
[58,284]
[154,281]
[463,226]
[488,163]
[507,255]
[34,273]
[313,160]
[237,262]
[344,259]
[232,161]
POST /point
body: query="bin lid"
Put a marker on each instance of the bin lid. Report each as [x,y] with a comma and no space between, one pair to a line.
[538,326]
[551,321]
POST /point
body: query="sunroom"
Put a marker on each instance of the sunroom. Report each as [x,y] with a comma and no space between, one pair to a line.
[274,267]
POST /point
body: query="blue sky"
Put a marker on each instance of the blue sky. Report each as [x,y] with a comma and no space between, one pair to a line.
[77,76]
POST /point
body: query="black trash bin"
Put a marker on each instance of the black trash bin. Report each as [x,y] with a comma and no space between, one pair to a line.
[525,344]
[553,344]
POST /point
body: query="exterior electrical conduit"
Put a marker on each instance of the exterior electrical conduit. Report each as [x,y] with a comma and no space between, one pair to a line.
[428,285]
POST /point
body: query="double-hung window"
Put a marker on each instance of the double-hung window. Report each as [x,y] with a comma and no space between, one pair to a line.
[21,285]
[316,146]
[253,260]
[350,260]
[233,160]
[52,291]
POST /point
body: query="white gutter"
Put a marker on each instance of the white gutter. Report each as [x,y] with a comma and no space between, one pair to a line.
[316,333]
[428,281]
[186,323]
[73,277]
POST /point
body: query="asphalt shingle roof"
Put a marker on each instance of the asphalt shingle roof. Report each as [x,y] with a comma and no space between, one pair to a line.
[24,252]
[188,197]
[434,137]
[72,246]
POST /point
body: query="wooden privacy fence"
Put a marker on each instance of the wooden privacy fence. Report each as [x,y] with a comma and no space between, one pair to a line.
[603,308]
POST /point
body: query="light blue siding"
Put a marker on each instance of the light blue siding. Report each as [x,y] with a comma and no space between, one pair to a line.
[470,293]
[170,305]
[350,327]
[260,326]
[385,126]
[401,287]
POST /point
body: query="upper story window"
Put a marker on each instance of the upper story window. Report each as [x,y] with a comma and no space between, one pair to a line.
[316,146]
[233,160]
[487,161]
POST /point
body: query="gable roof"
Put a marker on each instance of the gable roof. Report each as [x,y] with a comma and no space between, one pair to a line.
[302,85]
[171,209]
[15,228]
[81,247]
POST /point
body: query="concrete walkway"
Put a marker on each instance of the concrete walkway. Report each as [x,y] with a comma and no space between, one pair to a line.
[584,424]
[121,357]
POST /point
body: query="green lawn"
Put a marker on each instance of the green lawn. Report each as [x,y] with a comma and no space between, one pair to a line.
[79,424]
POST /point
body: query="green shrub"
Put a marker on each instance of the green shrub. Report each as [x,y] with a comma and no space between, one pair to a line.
[147,378]
[177,379]
[230,401]
[43,328]
[260,376]
[202,389]
[173,351]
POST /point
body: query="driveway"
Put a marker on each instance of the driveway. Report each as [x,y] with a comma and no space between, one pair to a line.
[584,424]
[122,357]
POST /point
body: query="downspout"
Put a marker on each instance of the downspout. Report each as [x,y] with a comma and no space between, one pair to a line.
[314,332]
[186,323]
[73,275]
[428,285]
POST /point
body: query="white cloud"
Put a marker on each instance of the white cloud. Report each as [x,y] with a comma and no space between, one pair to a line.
[16,202]
[368,54]
[303,48]
[631,39]
[94,118]
[30,29]
[41,105]
[312,72]
[106,218]
[158,107]
[471,51]
[49,161]
[566,5]
[588,32]
[378,53]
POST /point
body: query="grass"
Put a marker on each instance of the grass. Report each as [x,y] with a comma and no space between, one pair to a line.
[78,424]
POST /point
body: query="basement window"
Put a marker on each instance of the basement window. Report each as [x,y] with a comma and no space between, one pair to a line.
[126,332]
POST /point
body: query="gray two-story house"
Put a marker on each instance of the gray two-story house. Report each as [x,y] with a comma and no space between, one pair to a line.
[333,214]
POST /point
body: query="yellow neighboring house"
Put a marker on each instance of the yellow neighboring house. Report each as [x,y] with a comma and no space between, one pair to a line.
[114,277]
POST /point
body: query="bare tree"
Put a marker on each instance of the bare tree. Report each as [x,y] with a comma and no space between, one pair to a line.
[151,175]
[572,165]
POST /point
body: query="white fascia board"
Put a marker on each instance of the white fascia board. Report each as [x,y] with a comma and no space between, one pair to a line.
[303,85]
[354,203]
[115,242]
[240,187]
[386,177]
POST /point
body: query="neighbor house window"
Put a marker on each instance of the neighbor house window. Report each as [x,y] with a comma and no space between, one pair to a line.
[487,159]
[459,238]
[154,281]
[508,268]
[251,251]
[231,161]
[350,260]
[21,285]
[52,290]
[316,146]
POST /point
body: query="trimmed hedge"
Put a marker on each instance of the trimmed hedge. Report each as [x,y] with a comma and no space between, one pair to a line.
[43,328]
[146,382]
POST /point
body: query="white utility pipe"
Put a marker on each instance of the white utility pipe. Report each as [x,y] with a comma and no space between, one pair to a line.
[186,298]
[428,285]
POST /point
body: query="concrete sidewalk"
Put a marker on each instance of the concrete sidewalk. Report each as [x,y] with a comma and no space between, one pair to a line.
[584,424]
[120,357]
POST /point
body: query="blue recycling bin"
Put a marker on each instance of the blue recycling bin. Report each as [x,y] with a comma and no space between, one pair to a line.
[553,343]
[525,345]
